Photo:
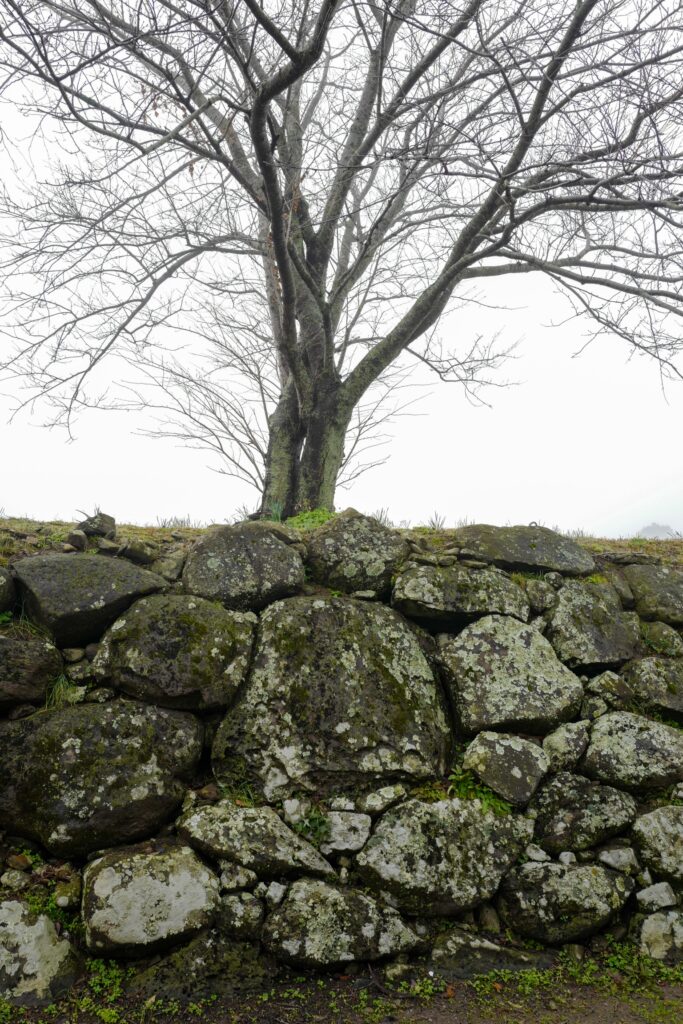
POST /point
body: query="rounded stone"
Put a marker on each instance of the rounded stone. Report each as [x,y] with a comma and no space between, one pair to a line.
[510,765]
[659,838]
[36,965]
[656,683]
[28,665]
[340,696]
[573,813]
[633,752]
[658,592]
[588,628]
[177,651]
[245,567]
[354,552]
[8,594]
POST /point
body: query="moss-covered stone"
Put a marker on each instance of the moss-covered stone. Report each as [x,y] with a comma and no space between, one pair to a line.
[245,567]
[177,651]
[340,695]
[633,752]
[8,594]
[446,598]
[443,857]
[526,548]
[573,813]
[36,965]
[656,684]
[75,597]
[503,674]
[659,839]
[510,765]
[27,667]
[81,778]
[354,552]
[658,592]
[588,628]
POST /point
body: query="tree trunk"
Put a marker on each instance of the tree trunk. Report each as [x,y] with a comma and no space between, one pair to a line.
[285,438]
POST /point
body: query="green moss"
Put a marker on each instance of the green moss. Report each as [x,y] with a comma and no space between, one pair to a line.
[310,520]
[466,786]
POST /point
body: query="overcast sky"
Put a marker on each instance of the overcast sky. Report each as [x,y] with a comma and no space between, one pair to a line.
[586,443]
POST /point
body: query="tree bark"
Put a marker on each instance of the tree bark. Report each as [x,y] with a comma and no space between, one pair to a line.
[285,438]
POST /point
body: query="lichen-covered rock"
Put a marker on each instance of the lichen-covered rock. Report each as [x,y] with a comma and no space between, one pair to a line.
[75,597]
[36,965]
[510,765]
[177,651]
[587,626]
[141,899]
[99,525]
[462,954]
[659,838]
[564,746]
[575,814]
[255,837]
[660,936]
[347,832]
[354,552]
[540,594]
[27,667]
[8,594]
[558,903]
[381,799]
[530,548]
[211,965]
[661,638]
[318,925]
[245,567]
[443,857]
[633,752]
[81,778]
[504,674]
[658,592]
[241,914]
[656,683]
[656,897]
[443,598]
[340,695]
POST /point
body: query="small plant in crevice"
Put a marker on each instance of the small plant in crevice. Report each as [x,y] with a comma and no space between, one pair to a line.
[61,693]
[466,786]
[314,827]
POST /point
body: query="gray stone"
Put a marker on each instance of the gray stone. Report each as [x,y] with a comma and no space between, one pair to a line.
[138,900]
[99,525]
[659,838]
[657,897]
[540,594]
[559,903]
[620,858]
[503,674]
[14,881]
[347,832]
[611,690]
[587,626]
[535,853]
[660,936]
[633,752]
[340,697]
[448,598]
[82,778]
[8,594]
[36,965]
[254,837]
[241,915]
[75,597]
[460,954]
[662,639]
[381,799]
[656,684]
[78,539]
[234,876]
[318,925]
[28,664]
[510,765]
[564,746]
[245,567]
[177,651]
[573,813]
[441,858]
[353,552]
[526,548]
[567,857]
[658,592]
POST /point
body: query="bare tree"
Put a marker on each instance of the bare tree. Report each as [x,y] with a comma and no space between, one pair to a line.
[329,175]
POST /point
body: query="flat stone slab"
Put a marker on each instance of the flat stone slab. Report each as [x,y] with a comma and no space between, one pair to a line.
[449,597]
[658,592]
[524,548]
[75,597]
[502,674]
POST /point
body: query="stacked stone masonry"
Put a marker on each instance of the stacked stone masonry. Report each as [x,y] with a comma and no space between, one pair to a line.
[303,749]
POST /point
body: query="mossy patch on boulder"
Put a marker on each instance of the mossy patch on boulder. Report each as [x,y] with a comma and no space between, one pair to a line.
[28,665]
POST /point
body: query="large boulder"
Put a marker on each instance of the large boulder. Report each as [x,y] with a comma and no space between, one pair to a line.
[89,776]
[319,925]
[503,674]
[177,651]
[36,965]
[27,667]
[633,752]
[140,899]
[443,857]
[75,597]
[510,765]
[573,813]
[656,683]
[354,552]
[245,567]
[558,903]
[588,628]
[255,837]
[526,548]
[659,838]
[448,598]
[8,594]
[658,592]
[340,695]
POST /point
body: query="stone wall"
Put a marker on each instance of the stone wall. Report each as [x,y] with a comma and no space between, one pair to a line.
[284,749]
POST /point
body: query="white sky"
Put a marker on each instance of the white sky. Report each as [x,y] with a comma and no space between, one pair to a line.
[589,443]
